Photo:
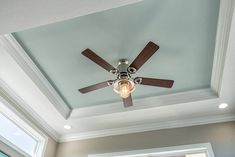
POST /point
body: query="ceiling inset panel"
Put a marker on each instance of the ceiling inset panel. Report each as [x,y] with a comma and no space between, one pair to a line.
[186,37]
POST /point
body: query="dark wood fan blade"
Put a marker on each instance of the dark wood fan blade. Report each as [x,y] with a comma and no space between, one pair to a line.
[156,82]
[97,59]
[144,55]
[94,87]
[127,101]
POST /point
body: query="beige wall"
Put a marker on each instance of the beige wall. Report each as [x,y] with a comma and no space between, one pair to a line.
[51,148]
[221,136]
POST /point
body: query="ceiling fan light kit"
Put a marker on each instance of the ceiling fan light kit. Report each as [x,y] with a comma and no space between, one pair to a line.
[124,84]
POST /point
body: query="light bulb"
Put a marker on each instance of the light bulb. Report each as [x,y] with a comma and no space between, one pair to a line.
[124,89]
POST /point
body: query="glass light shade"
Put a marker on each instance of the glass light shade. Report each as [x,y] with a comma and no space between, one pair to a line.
[124,89]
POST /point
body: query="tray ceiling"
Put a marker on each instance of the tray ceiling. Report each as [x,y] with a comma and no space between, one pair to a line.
[186,38]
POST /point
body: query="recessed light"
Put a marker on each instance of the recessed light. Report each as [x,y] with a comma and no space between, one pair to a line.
[67,127]
[223,105]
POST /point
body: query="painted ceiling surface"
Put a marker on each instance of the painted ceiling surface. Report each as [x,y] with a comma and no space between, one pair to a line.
[185,30]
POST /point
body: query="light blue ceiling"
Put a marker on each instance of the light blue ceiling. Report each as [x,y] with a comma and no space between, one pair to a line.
[185,30]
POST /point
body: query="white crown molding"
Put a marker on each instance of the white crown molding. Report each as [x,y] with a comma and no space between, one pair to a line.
[221,43]
[147,127]
[145,103]
[17,105]
[24,61]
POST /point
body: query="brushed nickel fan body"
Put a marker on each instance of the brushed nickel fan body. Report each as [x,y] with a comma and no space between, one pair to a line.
[123,73]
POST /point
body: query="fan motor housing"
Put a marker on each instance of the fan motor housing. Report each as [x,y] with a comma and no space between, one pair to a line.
[122,65]
[122,69]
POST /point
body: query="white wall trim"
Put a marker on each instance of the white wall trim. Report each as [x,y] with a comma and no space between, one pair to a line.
[221,43]
[9,150]
[9,144]
[25,124]
[17,105]
[147,127]
[164,151]
[24,61]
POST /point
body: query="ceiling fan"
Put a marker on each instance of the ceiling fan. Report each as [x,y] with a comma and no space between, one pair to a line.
[124,84]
